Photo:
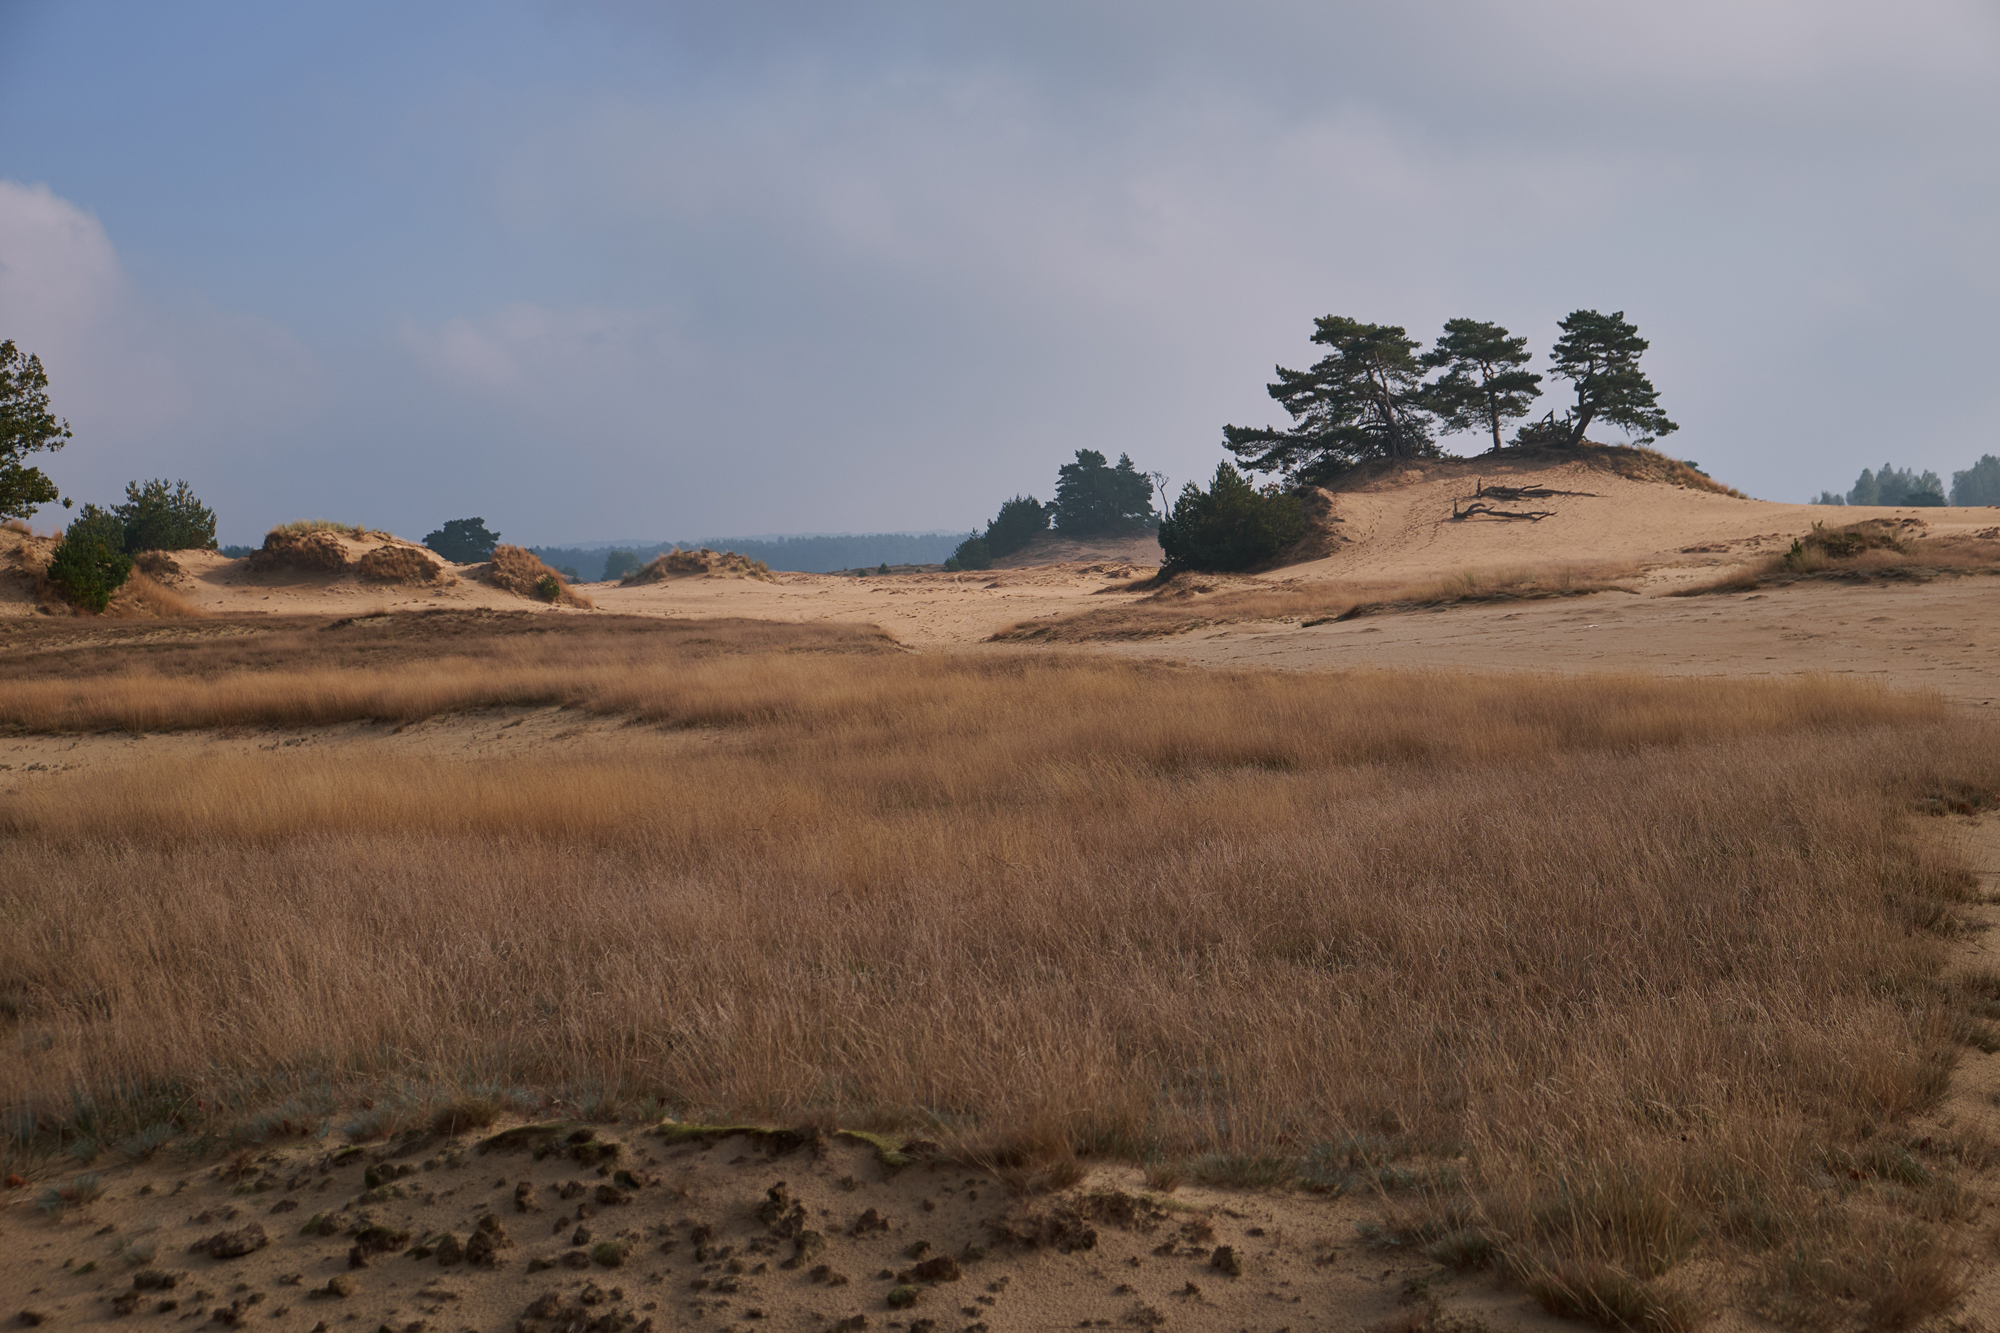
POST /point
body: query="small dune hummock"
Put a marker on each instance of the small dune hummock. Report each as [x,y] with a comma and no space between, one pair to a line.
[704,563]
[524,574]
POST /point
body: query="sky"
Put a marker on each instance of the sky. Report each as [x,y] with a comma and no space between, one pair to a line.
[614,270]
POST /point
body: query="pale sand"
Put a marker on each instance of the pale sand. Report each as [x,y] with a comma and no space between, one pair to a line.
[1304,1264]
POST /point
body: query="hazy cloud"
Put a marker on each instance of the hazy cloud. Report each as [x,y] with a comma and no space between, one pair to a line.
[636,268]
[147,388]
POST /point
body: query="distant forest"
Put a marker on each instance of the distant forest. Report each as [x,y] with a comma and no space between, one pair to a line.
[809,555]
[1977,485]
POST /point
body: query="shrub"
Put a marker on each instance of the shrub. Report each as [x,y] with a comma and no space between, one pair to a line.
[972,553]
[90,562]
[548,587]
[159,518]
[1020,521]
[1232,525]
[618,564]
[463,541]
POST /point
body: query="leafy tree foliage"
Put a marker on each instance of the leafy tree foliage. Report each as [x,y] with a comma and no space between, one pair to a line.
[26,427]
[1829,498]
[1364,399]
[463,541]
[1978,484]
[617,564]
[1485,383]
[1096,499]
[1905,488]
[1232,525]
[158,517]
[972,553]
[1020,521]
[90,562]
[1599,355]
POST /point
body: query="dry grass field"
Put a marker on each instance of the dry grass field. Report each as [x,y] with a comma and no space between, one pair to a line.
[1626,989]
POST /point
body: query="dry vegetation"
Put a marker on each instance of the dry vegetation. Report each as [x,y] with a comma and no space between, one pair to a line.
[524,574]
[1591,980]
[1183,602]
[1875,551]
[712,564]
[140,596]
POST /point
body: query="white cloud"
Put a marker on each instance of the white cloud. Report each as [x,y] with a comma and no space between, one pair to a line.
[148,388]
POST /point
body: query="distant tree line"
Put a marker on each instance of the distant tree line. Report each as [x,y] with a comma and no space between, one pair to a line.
[1907,488]
[810,555]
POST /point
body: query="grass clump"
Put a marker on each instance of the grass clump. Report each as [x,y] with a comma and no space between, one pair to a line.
[306,526]
[1875,550]
[1602,1294]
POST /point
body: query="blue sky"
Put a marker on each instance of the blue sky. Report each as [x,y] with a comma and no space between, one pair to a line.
[624,270]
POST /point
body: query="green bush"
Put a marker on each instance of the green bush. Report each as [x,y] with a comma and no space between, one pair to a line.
[1020,521]
[548,587]
[1232,525]
[463,541]
[617,564]
[972,553]
[157,517]
[90,562]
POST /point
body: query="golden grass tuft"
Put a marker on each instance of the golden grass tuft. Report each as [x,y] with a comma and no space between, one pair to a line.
[524,574]
[306,526]
[140,597]
[397,562]
[301,548]
[1872,551]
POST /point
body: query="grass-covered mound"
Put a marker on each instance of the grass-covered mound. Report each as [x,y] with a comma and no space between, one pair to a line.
[524,574]
[703,563]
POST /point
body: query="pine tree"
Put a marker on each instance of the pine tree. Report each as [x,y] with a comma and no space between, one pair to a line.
[1485,384]
[1364,399]
[162,518]
[1096,499]
[1978,484]
[26,427]
[1600,354]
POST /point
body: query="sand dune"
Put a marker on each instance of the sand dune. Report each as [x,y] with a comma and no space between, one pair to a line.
[1660,537]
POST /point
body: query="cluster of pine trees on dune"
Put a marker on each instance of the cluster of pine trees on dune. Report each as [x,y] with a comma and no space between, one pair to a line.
[1379,394]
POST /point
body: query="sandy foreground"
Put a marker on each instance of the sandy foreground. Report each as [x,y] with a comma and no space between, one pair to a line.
[563,1225]
[623,1229]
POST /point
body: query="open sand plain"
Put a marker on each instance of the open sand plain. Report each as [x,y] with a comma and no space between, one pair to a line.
[444,1231]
